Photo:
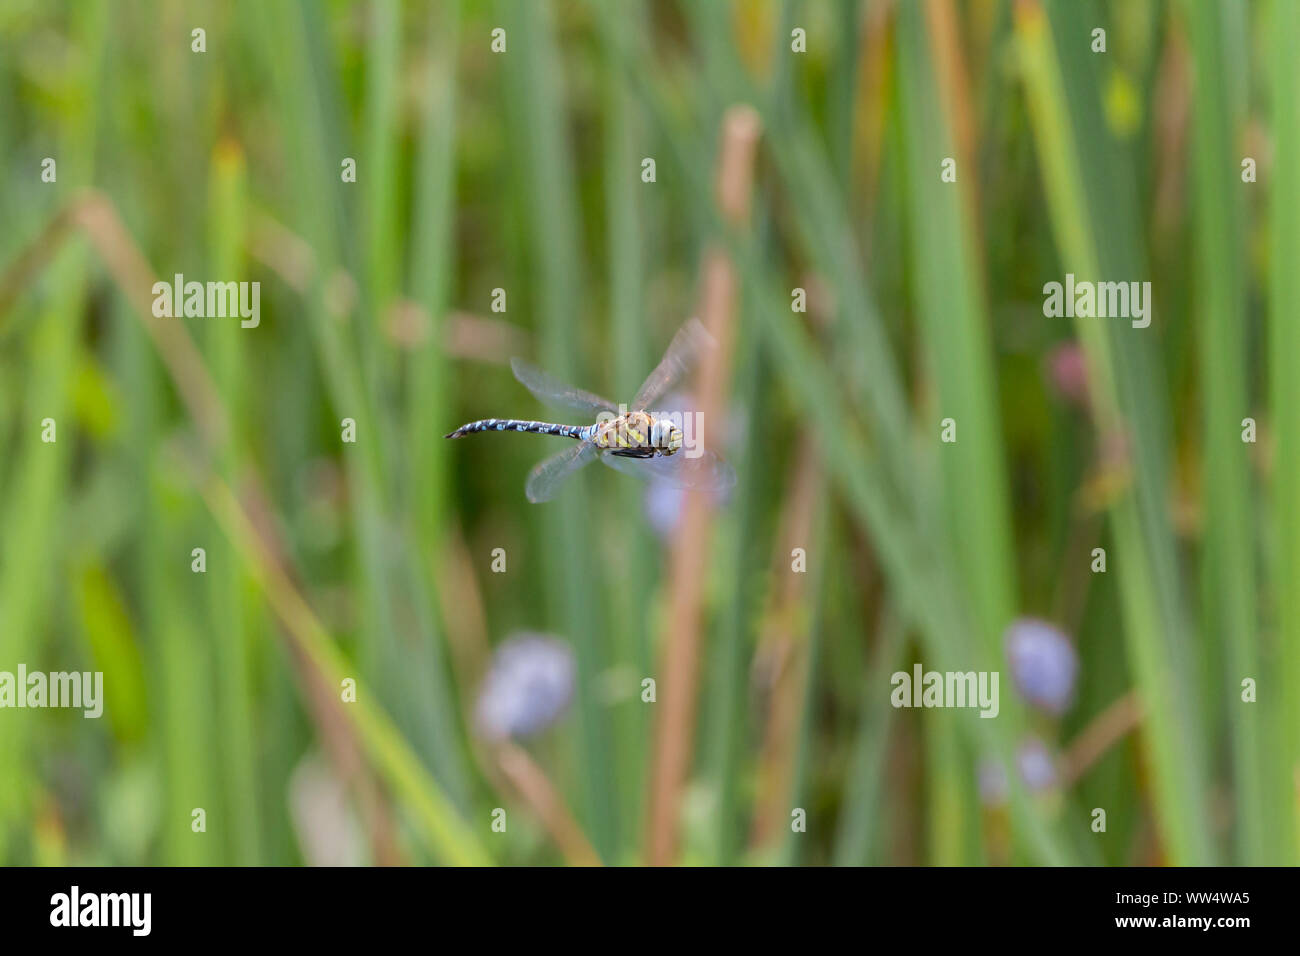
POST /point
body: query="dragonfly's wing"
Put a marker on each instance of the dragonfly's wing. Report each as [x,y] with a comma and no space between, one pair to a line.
[554,392]
[706,472]
[545,479]
[691,339]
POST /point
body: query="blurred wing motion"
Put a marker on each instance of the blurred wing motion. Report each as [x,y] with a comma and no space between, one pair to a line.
[707,472]
[691,339]
[552,391]
[545,479]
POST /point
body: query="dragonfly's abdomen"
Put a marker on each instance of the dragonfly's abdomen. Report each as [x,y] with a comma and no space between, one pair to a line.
[519,425]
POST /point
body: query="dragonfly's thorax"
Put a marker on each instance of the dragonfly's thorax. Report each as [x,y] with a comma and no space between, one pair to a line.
[638,432]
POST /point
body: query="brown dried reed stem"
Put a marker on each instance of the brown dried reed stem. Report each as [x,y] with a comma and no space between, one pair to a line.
[675,730]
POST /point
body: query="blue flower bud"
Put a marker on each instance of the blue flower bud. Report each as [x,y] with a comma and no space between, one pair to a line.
[528,686]
[1036,765]
[1043,664]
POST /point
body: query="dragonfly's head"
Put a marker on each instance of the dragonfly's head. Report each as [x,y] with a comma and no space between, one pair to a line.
[666,436]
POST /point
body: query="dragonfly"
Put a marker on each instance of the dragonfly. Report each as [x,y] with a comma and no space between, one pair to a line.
[630,439]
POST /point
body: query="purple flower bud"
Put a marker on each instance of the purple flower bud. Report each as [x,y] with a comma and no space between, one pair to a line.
[663,507]
[528,686]
[1043,664]
[1067,370]
[1036,765]
[665,502]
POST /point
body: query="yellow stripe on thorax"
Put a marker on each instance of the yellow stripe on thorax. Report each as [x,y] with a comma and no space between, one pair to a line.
[630,431]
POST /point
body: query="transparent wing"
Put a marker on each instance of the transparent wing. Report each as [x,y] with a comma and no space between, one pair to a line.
[691,339]
[545,479]
[706,472]
[554,392]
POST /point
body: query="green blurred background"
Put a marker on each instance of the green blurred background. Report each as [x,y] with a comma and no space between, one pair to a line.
[522,170]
